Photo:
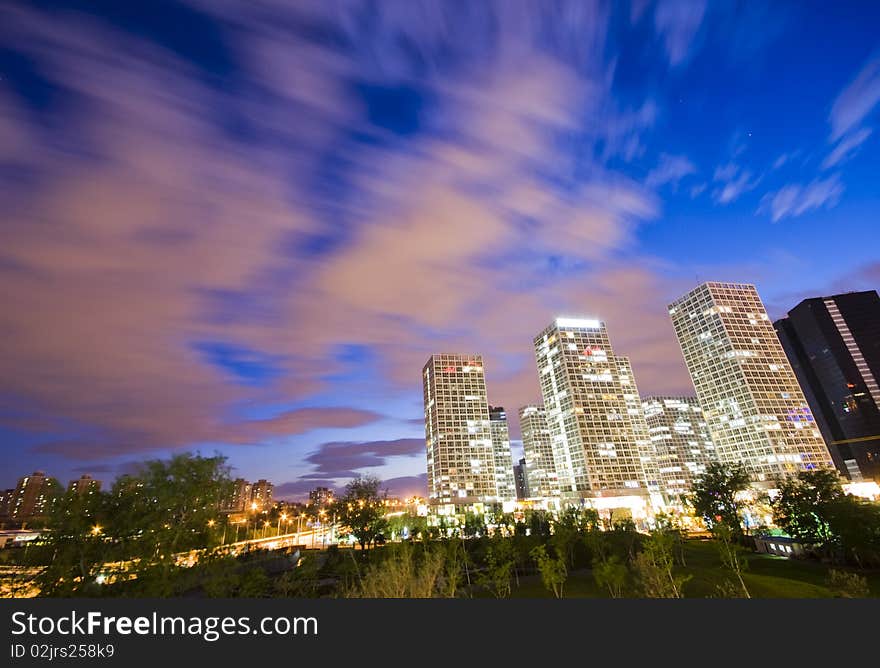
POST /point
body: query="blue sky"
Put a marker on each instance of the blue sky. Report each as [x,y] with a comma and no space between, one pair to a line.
[243,227]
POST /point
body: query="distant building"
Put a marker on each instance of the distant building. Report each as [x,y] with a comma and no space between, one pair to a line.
[681,440]
[321,496]
[240,499]
[540,470]
[6,496]
[519,479]
[33,497]
[833,344]
[502,458]
[84,485]
[261,494]
[754,407]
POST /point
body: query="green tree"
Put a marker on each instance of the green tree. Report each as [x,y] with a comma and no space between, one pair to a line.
[714,495]
[405,570]
[612,574]
[855,524]
[498,570]
[139,534]
[552,568]
[474,525]
[76,547]
[732,557]
[802,507]
[654,567]
[362,511]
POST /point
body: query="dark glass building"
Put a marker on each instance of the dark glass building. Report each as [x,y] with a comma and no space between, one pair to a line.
[833,344]
[519,480]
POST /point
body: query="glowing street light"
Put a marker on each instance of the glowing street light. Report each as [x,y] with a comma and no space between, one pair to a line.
[96,530]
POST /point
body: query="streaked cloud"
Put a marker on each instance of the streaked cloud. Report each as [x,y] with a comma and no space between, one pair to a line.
[796,199]
[857,100]
[670,170]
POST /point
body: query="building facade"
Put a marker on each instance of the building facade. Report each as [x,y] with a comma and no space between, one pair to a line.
[458,434]
[644,444]
[261,494]
[520,481]
[681,441]
[833,344]
[84,485]
[240,498]
[321,496]
[592,434]
[503,459]
[753,405]
[540,467]
[33,497]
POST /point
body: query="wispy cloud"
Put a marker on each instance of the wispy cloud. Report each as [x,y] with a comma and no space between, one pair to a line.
[670,169]
[734,180]
[857,100]
[796,199]
[677,23]
[846,147]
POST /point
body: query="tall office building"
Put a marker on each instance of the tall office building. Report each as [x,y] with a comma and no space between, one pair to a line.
[84,485]
[503,459]
[592,434]
[681,440]
[33,497]
[833,344]
[754,407]
[540,468]
[644,444]
[458,434]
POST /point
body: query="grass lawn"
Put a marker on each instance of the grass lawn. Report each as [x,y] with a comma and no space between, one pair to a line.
[766,576]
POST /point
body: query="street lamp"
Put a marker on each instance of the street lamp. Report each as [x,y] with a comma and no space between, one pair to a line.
[282,517]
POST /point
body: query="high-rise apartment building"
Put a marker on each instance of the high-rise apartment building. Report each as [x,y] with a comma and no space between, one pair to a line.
[503,459]
[681,441]
[458,434]
[753,405]
[261,494]
[540,468]
[833,344]
[84,485]
[321,496]
[240,498]
[33,497]
[592,434]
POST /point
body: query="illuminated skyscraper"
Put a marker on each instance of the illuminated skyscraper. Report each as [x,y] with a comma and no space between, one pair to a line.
[540,468]
[458,434]
[681,441]
[644,444]
[503,459]
[753,405]
[592,433]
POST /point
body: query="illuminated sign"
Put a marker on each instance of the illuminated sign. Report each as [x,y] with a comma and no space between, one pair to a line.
[578,323]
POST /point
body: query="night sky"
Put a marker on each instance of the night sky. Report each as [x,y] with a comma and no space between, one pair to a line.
[243,226]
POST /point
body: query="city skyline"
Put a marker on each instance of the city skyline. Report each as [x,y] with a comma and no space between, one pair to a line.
[247,236]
